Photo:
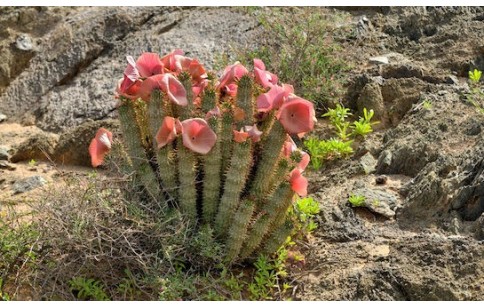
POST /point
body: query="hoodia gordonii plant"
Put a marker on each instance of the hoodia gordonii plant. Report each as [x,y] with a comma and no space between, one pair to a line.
[219,150]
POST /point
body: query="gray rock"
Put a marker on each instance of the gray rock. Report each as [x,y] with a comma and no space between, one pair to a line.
[371,98]
[4,153]
[24,42]
[39,146]
[6,165]
[28,184]
[379,201]
[379,60]
[368,163]
[79,60]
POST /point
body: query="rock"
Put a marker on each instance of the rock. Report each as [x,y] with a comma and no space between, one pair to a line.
[371,98]
[401,71]
[368,163]
[2,117]
[381,180]
[71,78]
[6,165]
[379,201]
[73,145]
[452,79]
[379,60]
[4,153]
[28,184]
[39,147]
[24,42]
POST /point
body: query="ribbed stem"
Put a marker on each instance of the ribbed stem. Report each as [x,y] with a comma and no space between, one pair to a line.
[132,137]
[212,165]
[186,111]
[271,149]
[165,156]
[277,238]
[226,136]
[187,173]
[236,177]
[278,203]
[238,229]
[245,99]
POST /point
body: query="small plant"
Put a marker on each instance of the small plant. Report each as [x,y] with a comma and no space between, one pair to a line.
[339,147]
[32,162]
[325,150]
[357,200]
[88,289]
[363,126]
[476,97]
[305,209]
[427,105]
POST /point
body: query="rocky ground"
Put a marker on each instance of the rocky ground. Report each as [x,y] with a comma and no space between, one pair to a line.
[420,235]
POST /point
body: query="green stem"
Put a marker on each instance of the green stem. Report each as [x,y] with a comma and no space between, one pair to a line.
[187,174]
[212,176]
[278,203]
[278,238]
[271,150]
[132,136]
[165,157]
[235,181]
[238,229]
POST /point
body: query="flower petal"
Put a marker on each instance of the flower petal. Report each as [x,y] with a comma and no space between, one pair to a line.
[265,78]
[297,115]
[175,90]
[240,136]
[231,74]
[100,146]
[149,64]
[169,61]
[254,132]
[131,72]
[259,64]
[148,85]
[167,132]
[198,136]
[299,184]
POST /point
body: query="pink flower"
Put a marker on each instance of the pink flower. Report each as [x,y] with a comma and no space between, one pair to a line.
[253,132]
[149,64]
[168,84]
[299,184]
[263,77]
[168,131]
[170,62]
[214,113]
[274,98]
[231,74]
[100,146]
[198,136]
[240,136]
[128,89]
[289,147]
[231,89]
[297,116]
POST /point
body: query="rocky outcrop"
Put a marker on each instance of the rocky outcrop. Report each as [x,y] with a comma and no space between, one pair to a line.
[70,74]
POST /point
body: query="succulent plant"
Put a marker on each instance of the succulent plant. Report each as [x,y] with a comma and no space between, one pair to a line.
[219,150]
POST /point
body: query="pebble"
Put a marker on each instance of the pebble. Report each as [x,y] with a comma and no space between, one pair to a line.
[379,60]
[2,117]
[24,42]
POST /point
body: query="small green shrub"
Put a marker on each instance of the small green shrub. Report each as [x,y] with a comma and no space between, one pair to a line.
[476,96]
[357,200]
[88,289]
